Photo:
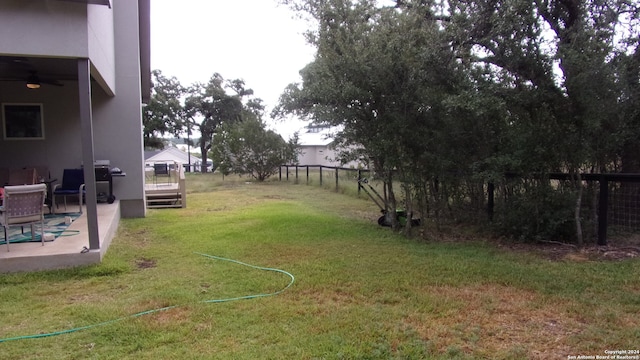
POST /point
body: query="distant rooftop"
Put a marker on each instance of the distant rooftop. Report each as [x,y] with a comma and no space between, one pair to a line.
[316,135]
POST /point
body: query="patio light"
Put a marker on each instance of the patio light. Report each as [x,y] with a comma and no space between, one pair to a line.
[33,82]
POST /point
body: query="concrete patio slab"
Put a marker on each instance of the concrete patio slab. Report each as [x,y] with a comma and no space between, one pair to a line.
[65,251]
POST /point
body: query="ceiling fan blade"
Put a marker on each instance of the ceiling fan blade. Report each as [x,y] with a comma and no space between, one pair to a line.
[23,79]
[53,82]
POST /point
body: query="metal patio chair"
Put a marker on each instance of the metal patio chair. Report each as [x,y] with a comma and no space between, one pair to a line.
[23,205]
[72,185]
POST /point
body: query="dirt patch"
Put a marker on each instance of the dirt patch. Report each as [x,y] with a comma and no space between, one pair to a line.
[620,247]
[274,197]
[141,237]
[500,320]
[145,263]
[170,317]
[566,252]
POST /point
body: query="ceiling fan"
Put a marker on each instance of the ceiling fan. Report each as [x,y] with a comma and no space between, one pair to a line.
[20,69]
[34,81]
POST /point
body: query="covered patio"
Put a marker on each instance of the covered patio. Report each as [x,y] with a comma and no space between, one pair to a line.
[64,251]
[71,98]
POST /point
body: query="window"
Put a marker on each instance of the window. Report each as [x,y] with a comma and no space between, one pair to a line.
[22,122]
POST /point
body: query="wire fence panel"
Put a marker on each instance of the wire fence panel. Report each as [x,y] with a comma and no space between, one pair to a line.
[609,201]
[624,206]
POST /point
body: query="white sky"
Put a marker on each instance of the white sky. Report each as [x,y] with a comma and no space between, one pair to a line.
[258,41]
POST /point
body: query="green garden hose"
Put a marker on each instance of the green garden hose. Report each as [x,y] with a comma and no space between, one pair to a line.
[246,297]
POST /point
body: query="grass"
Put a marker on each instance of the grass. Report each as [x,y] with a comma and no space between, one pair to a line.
[361,292]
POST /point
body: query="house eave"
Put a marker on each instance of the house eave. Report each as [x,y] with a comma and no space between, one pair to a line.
[92,2]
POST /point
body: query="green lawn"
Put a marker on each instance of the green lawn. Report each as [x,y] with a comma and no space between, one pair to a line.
[360,291]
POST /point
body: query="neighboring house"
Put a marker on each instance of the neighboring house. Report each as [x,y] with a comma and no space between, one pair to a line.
[316,148]
[171,155]
[88,65]
[181,143]
[189,149]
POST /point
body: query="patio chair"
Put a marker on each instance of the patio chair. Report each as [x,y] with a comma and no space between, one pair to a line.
[23,205]
[72,184]
[161,170]
[24,176]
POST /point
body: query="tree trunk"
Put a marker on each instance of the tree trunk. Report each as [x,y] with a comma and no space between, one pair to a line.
[408,208]
[391,212]
[203,151]
[578,184]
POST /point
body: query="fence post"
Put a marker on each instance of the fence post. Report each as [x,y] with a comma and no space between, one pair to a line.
[337,179]
[296,174]
[287,168]
[320,175]
[280,173]
[307,174]
[602,211]
[359,177]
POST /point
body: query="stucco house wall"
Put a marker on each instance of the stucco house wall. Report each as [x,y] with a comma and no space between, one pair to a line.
[118,119]
[61,146]
[102,46]
[30,27]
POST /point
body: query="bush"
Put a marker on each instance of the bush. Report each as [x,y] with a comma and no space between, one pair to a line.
[536,212]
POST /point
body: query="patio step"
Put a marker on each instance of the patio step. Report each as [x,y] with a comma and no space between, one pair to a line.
[157,200]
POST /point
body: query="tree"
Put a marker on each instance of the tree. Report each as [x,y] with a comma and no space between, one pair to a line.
[563,62]
[208,106]
[381,75]
[164,113]
[447,95]
[247,147]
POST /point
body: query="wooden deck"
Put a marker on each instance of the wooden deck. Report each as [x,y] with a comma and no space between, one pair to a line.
[163,193]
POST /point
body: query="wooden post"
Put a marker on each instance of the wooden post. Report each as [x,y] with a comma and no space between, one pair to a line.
[359,177]
[320,175]
[307,174]
[280,173]
[287,168]
[602,211]
[337,179]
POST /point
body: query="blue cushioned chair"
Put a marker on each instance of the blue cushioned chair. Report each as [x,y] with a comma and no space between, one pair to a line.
[72,184]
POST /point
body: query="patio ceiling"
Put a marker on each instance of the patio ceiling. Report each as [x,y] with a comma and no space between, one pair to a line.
[18,68]
[49,70]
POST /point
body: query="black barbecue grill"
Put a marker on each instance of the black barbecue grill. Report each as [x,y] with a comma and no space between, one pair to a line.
[105,174]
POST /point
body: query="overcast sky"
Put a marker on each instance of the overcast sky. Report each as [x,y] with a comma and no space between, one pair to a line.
[255,40]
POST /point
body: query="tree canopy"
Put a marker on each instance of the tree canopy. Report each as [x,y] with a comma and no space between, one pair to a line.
[163,115]
[202,107]
[248,147]
[444,96]
[213,106]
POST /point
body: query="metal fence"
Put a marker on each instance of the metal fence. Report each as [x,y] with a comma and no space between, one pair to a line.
[616,205]
[338,178]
